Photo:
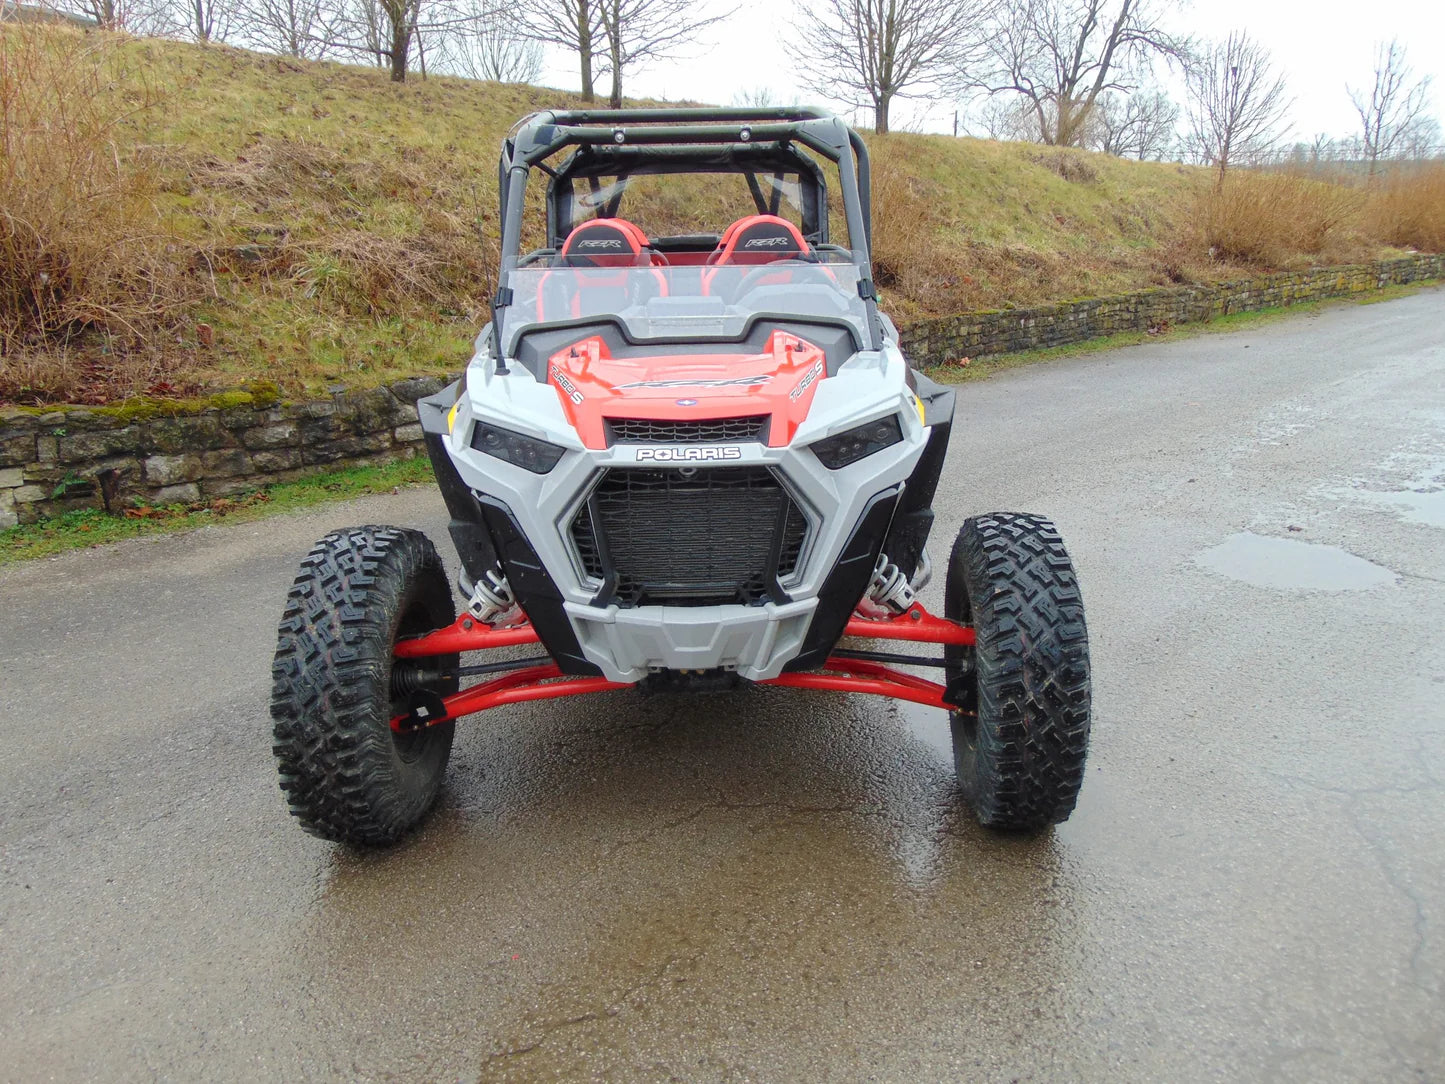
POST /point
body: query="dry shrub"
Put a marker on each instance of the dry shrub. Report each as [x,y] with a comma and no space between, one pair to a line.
[1069,163]
[1271,219]
[83,254]
[1407,207]
[439,264]
[902,221]
[441,270]
[909,258]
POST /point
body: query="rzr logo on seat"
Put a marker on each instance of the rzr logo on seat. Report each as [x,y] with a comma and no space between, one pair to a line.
[601,242]
[768,242]
[693,454]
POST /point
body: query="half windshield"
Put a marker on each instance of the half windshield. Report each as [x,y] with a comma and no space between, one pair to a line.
[682,303]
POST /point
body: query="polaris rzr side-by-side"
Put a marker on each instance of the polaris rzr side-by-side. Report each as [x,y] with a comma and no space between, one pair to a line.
[687,453]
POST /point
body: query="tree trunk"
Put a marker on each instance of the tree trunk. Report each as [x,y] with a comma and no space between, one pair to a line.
[614,53]
[584,50]
[880,113]
[400,46]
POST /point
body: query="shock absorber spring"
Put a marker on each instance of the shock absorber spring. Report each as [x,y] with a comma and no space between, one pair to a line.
[889,587]
[492,597]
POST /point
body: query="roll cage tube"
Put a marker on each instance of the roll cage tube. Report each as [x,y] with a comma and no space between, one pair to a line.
[540,135]
[750,160]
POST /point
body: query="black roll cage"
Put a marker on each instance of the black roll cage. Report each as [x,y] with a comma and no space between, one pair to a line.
[749,160]
[669,140]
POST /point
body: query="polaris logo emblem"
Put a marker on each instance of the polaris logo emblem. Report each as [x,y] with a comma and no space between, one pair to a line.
[613,243]
[691,454]
[768,242]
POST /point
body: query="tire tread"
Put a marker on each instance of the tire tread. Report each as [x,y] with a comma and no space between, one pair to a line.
[330,685]
[1025,766]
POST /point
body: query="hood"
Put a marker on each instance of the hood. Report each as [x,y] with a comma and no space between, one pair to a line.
[681,387]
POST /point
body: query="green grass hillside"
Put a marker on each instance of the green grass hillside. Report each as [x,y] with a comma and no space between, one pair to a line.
[234,216]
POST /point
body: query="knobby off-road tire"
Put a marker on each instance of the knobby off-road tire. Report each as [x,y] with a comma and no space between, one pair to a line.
[1020,741]
[346,775]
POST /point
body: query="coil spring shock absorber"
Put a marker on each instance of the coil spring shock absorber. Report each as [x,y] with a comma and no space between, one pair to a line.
[889,587]
[492,597]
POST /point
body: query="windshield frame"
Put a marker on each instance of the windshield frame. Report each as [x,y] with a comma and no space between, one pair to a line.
[757,165]
[652,304]
[688,134]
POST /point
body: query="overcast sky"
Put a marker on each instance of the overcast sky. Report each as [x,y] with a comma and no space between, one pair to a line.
[1320,45]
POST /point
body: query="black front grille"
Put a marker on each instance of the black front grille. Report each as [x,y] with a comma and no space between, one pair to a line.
[585,539]
[711,431]
[692,537]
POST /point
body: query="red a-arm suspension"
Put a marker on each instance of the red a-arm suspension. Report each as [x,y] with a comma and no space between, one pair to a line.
[545,682]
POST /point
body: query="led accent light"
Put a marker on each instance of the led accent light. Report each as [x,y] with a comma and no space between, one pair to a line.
[528,453]
[858,442]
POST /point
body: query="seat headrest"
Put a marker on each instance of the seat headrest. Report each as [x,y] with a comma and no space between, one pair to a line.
[604,242]
[763,239]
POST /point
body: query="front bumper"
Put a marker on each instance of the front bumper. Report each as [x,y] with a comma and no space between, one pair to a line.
[527,517]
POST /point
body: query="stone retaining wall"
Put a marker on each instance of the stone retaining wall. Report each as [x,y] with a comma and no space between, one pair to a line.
[78,457]
[1004,331]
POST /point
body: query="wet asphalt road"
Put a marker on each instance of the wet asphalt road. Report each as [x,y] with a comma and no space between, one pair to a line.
[777,885]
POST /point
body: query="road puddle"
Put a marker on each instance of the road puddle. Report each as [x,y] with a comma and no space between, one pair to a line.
[1422,500]
[1290,565]
[928,725]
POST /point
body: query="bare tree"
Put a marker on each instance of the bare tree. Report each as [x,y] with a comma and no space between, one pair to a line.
[576,25]
[296,28]
[390,32]
[759,97]
[636,31]
[145,17]
[872,52]
[1141,125]
[108,14]
[1323,148]
[1060,55]
[205,20]
[1237,102]
[1007,119]
[1423,141]
[1394,108]
[482,45]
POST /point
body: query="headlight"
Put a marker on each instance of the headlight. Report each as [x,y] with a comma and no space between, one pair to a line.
[528,453]
[860,441]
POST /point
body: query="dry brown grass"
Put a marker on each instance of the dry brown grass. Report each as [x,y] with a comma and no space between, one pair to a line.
[1407,207]
[177,218]
[84,256]
[311,199]
[1273,219]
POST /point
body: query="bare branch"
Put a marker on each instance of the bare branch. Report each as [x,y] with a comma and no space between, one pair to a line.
[483,45]
[871,52]
[1141,125]
[296,28]
[637,31]
[1393,115]
[1237,102]
[575,25]
[1059,56]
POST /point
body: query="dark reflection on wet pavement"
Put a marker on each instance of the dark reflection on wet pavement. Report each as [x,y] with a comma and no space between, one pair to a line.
[767,862]
[774,884]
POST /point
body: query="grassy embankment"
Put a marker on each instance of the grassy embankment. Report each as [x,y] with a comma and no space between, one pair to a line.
[183,219]
[93,527]
[179,220]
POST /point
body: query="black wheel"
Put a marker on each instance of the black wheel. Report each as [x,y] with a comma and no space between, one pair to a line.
[346,774]
[1022,728]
